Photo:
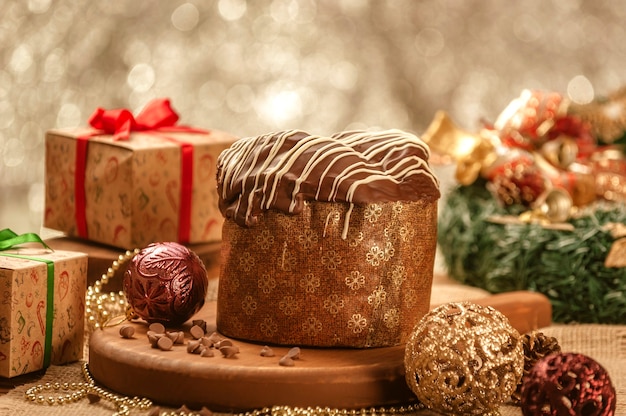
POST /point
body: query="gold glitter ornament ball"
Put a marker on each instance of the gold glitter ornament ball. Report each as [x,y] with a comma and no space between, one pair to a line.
[464,359]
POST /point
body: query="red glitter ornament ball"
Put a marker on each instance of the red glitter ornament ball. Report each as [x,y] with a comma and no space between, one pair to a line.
[567,384]
[166,282]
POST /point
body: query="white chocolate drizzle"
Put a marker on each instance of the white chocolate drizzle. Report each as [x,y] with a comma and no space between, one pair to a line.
[282,170]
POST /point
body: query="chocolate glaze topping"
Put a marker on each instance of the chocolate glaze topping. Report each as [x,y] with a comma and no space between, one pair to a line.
[282,170]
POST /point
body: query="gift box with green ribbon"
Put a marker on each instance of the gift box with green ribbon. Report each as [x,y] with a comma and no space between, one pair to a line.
[128,181]
[42,304]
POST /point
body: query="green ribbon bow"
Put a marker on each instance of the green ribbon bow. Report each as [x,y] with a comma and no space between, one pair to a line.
[9,239]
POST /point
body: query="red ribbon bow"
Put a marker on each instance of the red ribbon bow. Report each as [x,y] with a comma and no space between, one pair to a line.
[157,117]
[157,114]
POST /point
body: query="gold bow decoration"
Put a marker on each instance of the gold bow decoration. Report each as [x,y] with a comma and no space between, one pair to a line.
[471,152]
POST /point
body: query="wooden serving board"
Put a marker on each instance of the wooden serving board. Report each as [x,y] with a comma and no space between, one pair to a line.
[336,378]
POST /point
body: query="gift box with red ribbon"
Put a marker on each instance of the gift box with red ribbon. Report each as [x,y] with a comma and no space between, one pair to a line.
[43,305]
[129,181]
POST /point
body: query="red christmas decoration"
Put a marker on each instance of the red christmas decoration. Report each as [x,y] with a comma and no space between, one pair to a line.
[166,282]
[567,384]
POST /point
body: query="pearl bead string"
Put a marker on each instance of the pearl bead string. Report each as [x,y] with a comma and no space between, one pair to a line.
[100,306]
[89,389]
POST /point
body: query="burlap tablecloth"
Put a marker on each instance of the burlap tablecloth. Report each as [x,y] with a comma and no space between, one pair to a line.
[604,343]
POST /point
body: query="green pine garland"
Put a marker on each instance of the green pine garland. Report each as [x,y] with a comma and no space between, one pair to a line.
[566,266]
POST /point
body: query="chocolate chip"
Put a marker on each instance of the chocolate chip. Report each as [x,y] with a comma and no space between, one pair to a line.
[157,327]
[214,337]
[196,331]
[207,352]
[177,337]
[199,322]
[267,352]
[93,398]
[165,343]
[229,351]
[205,412]
[223,343]
[294,353]
[193,347]
[127,331]
[153,338]
[286,361]
[206,341]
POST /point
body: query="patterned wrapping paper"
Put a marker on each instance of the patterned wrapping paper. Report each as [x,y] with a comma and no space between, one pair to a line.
[293,280]
[25,314]
[133,187]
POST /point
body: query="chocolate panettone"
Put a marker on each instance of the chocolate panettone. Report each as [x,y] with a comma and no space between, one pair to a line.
[327,241]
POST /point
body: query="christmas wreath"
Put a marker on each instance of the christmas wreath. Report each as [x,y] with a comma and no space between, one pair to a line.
[540,203]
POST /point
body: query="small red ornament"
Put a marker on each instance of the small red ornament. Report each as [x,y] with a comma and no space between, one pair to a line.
[166,282]
[567,384]
[518,182]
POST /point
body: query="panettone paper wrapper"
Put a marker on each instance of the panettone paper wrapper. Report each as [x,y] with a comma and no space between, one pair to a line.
[293,279]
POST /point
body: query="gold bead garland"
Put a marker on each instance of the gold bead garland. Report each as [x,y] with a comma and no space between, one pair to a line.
[78,391]
[325,411]
[313,411]
[100,306]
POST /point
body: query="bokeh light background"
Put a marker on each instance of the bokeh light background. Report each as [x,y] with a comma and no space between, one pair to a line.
[249,67]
